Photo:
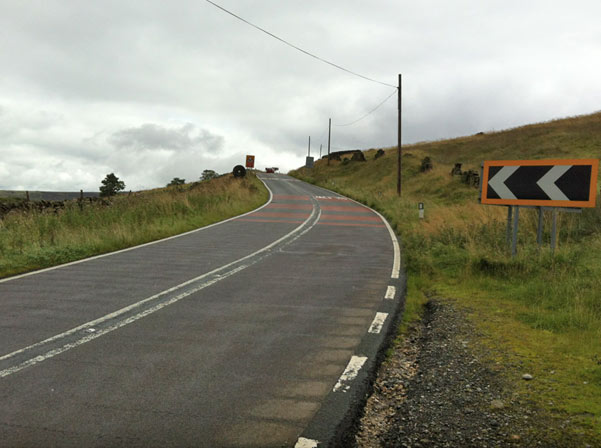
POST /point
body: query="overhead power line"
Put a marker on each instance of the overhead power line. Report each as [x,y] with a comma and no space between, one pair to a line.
[370,112]
[298,48]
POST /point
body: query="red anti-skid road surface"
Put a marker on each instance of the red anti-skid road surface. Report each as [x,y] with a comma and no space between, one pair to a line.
[233,335]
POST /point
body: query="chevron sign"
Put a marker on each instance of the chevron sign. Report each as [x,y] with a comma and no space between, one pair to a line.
[547,183]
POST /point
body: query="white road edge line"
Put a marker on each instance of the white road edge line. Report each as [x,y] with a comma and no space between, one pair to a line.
[378,323]
[98,333]
[390,293]
[306,443]
[95,257]
[396,264]
[350,373]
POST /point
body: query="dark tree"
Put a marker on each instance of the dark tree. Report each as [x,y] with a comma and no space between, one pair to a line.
[111,185]
[208,175]
[176,181]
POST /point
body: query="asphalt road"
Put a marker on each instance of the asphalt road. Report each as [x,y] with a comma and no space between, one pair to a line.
[238,334]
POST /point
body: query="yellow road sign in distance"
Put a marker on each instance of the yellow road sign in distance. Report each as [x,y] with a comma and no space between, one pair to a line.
[546,183]
[250,161]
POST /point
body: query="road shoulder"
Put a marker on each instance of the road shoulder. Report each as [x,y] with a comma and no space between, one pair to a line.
[439,388]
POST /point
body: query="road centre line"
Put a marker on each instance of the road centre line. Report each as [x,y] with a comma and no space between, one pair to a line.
[378,323]
[213,276]
[350,373]
[127,249]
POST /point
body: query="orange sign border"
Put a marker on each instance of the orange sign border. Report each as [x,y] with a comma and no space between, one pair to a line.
[250,161]
[540,202]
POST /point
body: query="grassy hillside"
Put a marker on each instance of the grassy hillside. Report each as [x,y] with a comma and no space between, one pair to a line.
[34,240]
[539,313]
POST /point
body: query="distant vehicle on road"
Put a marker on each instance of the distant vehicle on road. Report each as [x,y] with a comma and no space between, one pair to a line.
[271,170]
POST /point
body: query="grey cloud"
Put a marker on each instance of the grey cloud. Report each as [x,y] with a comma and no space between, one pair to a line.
[101,69]
[155,137]
[22,121]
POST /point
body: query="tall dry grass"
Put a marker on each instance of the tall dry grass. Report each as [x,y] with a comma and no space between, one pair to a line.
[34,240]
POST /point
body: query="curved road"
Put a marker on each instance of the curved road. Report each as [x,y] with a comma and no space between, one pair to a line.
[250,332]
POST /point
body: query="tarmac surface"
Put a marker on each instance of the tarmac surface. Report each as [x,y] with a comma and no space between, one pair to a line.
[249,333]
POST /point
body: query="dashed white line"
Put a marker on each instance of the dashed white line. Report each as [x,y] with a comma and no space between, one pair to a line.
[390,293]
[306,443]
[350,373]
[378,323]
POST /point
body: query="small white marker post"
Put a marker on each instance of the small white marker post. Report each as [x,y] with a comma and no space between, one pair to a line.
[420,207]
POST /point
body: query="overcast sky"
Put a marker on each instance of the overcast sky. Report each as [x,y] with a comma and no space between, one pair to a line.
[152,90]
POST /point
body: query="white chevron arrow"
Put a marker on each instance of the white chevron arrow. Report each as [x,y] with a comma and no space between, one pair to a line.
[547,183]
[498,182]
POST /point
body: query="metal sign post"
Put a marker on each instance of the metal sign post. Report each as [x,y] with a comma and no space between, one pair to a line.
[539,233]
[554,230]
[514,239]
[509,218]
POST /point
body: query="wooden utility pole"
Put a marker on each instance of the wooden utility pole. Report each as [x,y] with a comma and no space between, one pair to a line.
[398,182]
[329,135]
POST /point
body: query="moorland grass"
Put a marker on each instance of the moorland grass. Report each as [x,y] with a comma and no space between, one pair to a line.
[34,240]
[542,308]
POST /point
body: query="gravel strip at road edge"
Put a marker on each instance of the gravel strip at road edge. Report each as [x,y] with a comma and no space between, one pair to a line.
[438,389]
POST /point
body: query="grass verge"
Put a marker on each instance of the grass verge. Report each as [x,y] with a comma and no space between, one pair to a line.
[36,240]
